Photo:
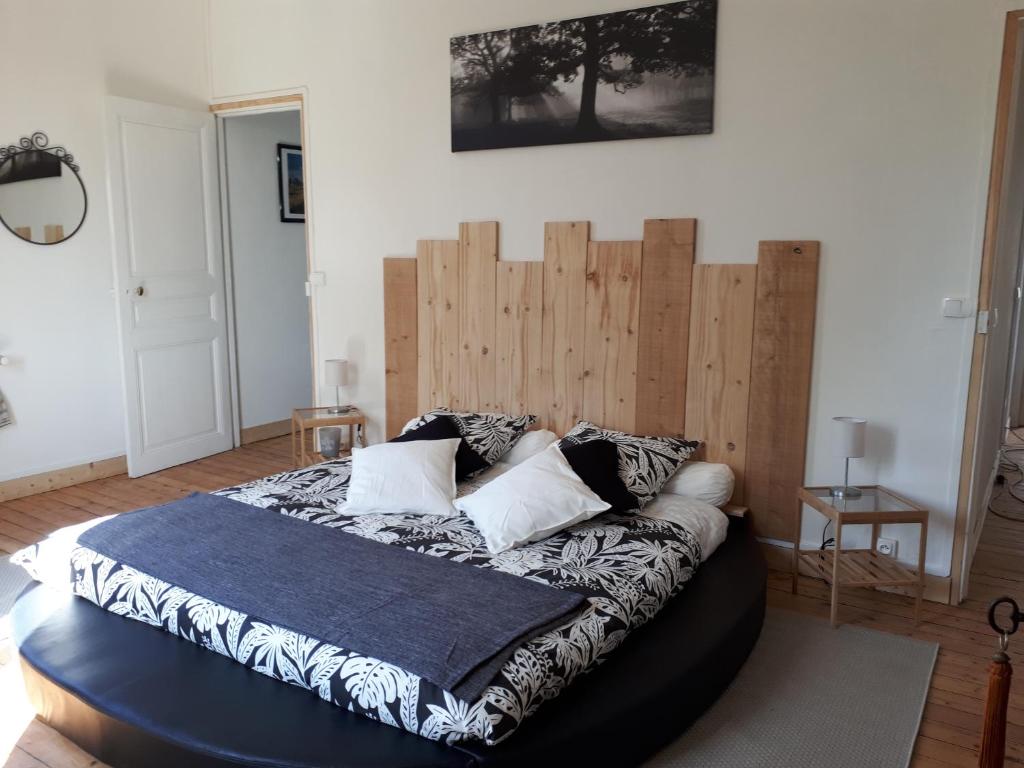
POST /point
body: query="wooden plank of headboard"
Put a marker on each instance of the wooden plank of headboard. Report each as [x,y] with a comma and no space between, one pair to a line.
[401,390]
[478,261]
[659,361]
[663,331]
[780,383]
[565,286]
[437,291]
[718,378]
[519,329]
[610,344]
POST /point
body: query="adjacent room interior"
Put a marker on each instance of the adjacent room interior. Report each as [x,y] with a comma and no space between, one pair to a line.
[268,270]
[493,384]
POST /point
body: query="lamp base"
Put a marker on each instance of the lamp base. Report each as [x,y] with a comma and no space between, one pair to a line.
[339,409]
[845,492]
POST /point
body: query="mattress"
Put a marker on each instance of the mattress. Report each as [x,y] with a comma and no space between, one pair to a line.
[627,567]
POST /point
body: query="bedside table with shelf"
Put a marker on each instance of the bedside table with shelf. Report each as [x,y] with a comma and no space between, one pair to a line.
[310,419]
[877,506]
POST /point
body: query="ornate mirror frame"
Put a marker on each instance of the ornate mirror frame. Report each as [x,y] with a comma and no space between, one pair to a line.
[38,141]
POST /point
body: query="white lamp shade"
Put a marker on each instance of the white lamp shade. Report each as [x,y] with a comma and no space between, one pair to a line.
[848,440]
[336,373]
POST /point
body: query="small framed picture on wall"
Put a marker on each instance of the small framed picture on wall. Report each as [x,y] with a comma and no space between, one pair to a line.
[290,188]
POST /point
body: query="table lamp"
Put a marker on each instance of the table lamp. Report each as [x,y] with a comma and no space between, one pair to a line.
[848,442]
[336,375]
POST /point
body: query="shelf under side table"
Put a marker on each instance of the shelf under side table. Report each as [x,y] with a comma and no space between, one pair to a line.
[859,568]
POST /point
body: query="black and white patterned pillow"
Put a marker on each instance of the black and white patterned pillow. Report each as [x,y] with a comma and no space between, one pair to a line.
[645,463]
[489,434]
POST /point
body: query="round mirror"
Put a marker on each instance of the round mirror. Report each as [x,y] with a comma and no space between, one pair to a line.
[42,197]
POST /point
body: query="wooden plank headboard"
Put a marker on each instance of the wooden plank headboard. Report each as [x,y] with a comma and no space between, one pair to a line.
[629,335]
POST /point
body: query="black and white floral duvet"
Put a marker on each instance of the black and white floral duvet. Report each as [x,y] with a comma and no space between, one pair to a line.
[627,567]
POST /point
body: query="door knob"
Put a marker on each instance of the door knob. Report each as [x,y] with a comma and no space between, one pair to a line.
[140,291]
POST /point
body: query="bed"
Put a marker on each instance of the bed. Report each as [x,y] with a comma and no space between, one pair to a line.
[213,712]
[208,707]
[628,566]
[672,605]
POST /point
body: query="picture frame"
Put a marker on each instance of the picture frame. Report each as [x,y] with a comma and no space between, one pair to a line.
[641,73]
[290,183]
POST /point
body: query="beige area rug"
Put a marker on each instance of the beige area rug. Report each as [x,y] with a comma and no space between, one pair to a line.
[815,696]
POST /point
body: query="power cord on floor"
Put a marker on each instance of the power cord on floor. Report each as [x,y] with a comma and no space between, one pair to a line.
[1008,462]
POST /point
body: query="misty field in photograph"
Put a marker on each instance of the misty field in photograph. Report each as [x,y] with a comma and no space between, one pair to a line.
[633,74]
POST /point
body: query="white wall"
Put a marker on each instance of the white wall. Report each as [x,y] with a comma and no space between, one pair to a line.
[864,124]
[57,323]
[269,272]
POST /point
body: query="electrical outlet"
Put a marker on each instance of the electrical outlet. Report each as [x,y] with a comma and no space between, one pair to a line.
[886,547]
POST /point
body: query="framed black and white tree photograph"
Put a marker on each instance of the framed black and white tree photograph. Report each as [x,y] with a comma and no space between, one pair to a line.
[633,74]
[290,188]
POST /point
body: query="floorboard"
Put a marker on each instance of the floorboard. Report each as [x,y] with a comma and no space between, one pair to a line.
[950,730]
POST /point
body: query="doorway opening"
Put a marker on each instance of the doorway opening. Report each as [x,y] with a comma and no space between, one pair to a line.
[265,246]
[1006,497]
[992,462]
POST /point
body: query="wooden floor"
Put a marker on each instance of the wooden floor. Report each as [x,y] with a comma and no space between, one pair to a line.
[952,719]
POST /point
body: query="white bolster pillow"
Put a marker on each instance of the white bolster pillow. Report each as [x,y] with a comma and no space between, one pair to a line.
[711,483]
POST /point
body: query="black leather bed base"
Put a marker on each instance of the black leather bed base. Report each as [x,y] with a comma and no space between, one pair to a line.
[134,695]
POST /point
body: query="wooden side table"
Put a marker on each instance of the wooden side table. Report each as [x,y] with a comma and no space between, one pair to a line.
[309,419]
[877,506]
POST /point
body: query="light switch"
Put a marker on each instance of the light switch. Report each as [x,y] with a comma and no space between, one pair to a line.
[955,307]
[318,279]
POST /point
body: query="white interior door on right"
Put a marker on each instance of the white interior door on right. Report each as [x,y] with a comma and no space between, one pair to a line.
[169,274]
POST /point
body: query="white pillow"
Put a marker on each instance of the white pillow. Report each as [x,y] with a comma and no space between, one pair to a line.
[705,521]
[418,476]
[530,502]
[711,483]
[530,444]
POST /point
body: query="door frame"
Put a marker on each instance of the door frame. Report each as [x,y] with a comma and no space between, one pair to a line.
[288,100]
[961,559]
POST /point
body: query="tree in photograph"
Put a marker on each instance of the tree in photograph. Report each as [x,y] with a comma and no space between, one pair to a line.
[537,59]
[484,60]
[619,49]
[500,67]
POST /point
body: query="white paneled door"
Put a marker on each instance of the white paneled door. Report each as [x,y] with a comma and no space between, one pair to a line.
[169,283]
